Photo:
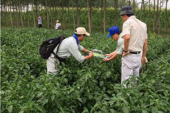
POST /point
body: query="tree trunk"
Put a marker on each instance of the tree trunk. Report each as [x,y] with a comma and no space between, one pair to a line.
[78,13]
[104,17]
[36,9]
[74,20]
[5,10]
[89,15]
[17,22]
[22,23]
[134,6]
[51,18]
[149,16]
[28,23]
[63,17]
[116,13]
[20,14]
[166,17]
[68,9]
[159,14]
[34,16]
[129,3]
[10,13]
[47,18]
[141,10]
[101,14]
[55,12]
[78,16]
[154,17]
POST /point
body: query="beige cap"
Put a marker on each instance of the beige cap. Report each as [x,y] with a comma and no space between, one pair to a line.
[82,31]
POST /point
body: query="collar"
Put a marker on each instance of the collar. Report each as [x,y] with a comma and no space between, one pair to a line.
[132,17]
[74,35]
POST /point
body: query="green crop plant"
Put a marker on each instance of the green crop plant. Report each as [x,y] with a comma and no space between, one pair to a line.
[90,87]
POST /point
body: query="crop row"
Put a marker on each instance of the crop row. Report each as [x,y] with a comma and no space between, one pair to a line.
[93,86]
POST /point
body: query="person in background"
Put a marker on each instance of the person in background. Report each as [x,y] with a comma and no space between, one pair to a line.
[134,33]
[40,21]
[58,25]
[69,46]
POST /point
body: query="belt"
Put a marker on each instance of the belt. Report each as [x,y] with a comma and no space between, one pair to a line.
[137,52]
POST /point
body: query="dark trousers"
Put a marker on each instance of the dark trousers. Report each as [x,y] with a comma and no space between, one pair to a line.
[39,25]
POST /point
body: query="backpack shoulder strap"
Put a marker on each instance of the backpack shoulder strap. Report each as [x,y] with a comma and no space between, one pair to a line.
[61,39]
[55,54]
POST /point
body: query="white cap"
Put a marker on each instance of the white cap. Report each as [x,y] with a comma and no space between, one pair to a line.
[82,31]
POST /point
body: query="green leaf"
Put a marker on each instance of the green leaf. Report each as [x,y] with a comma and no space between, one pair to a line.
[79,99]
[85,110]
[112,111]
[39,94]
[21,111]
[101,83]
[125,109]
[144,111]
[10,108]
[154,109]
[44,101]
[52,97]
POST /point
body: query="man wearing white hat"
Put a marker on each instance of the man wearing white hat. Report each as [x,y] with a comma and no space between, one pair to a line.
[134,33]
[69,46]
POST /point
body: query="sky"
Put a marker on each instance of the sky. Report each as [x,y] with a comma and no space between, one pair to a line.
[156,2]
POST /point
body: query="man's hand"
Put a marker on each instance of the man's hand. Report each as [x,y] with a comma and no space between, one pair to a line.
[91,54]
[106,59]
[125,53]
[109,55]
[143,60]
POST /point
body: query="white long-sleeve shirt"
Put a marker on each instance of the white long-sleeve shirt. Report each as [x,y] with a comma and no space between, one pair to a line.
[57,25]
[39,20]
[69,47]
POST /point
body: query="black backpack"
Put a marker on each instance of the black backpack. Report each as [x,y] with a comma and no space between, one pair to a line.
[49,45]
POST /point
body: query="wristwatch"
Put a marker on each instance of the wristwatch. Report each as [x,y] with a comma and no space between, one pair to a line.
[125,51]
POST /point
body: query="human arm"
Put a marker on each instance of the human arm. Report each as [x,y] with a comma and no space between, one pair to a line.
[74,49]
[126,44]
[109,55]
[144,51]
[90,55]
[114,55]
[126,31]
[85,50]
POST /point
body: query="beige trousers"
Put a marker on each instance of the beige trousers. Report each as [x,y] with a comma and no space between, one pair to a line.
[130,66]
[52,65]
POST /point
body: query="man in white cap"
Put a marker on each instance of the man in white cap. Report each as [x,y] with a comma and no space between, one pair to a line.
[134,33]
[69,46]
